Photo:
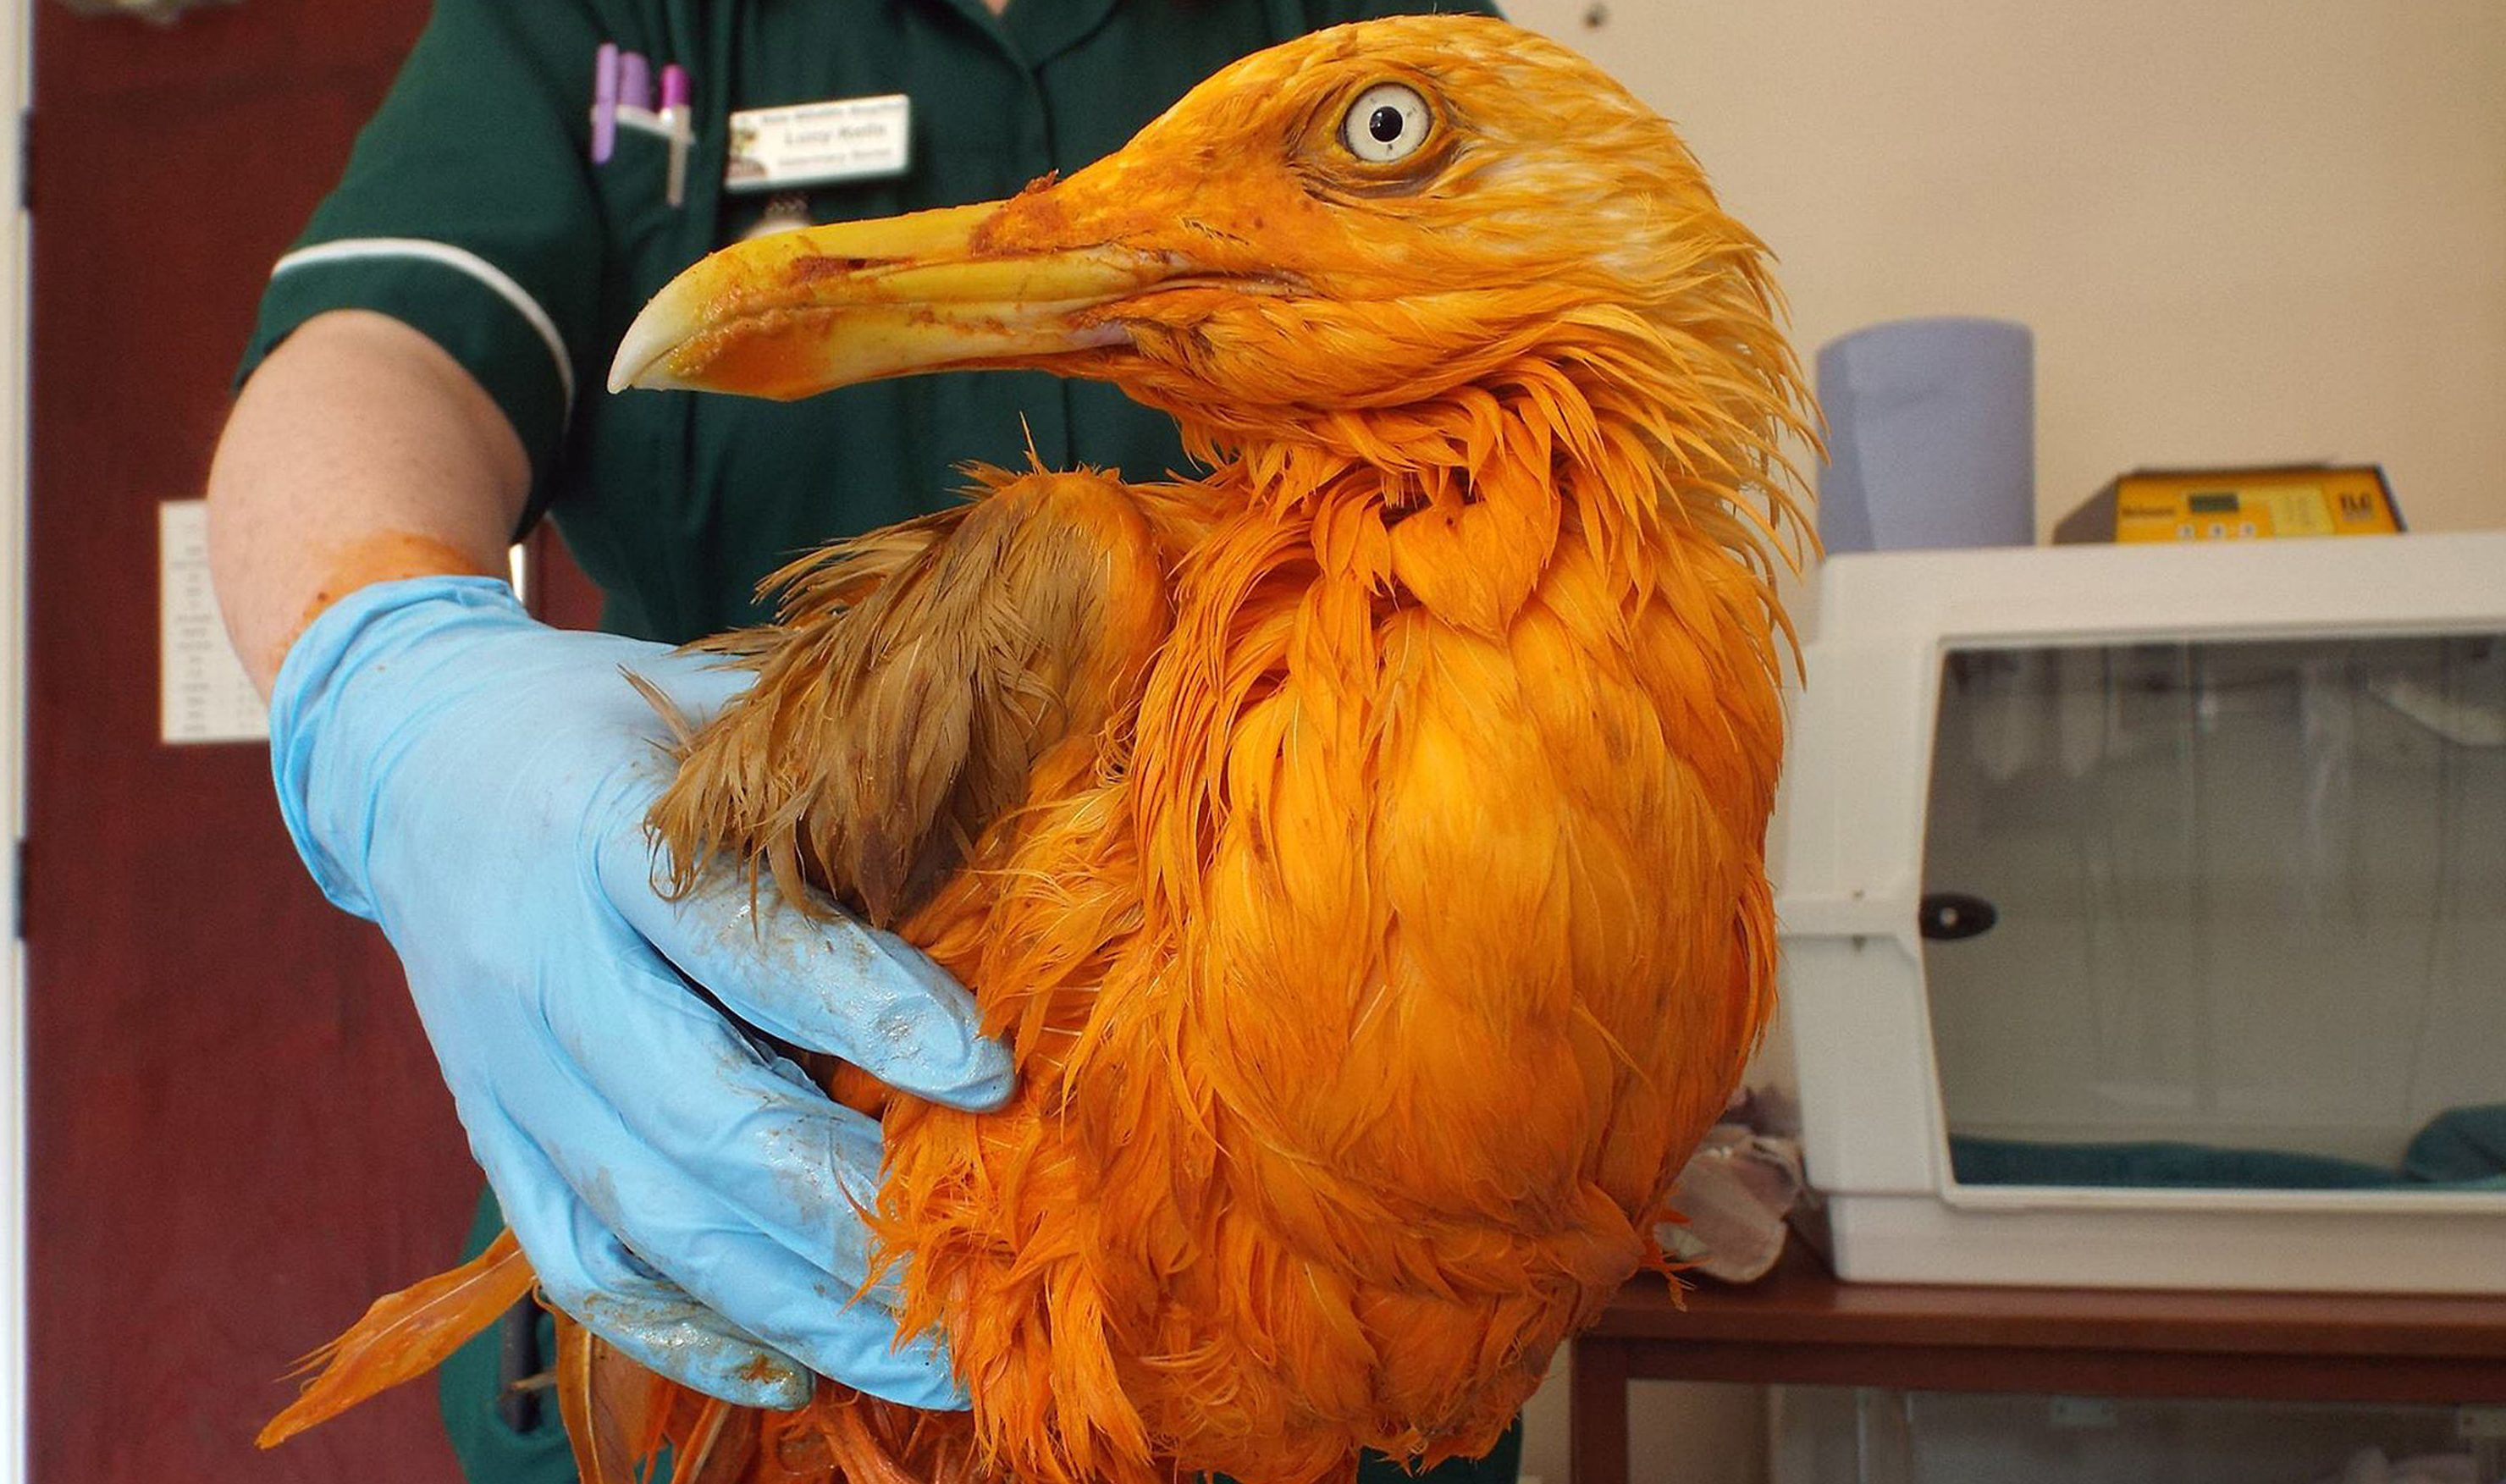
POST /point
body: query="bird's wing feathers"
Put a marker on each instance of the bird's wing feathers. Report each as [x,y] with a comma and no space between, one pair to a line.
[612,1406]
[916,677]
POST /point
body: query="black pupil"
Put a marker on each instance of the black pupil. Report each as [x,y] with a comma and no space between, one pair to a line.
[1384,124]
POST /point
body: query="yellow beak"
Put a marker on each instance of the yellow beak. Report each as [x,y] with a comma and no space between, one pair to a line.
[797,312]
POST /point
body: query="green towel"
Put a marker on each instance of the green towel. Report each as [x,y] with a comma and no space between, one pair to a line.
[2462,1149]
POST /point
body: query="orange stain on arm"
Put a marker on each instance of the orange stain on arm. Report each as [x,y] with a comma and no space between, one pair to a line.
[386,556]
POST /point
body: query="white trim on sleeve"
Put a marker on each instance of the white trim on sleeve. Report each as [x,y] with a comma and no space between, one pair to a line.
[461,260]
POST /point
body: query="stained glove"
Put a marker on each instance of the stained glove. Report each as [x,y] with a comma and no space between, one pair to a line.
[476,783]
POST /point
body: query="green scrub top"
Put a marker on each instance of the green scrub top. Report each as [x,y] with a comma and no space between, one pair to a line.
[471,210]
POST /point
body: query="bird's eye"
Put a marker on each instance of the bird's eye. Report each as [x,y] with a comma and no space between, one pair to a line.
[1388,121]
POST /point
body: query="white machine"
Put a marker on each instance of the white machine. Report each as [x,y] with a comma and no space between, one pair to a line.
[2144,914]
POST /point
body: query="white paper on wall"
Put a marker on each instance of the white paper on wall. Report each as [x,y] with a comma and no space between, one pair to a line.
[204,695]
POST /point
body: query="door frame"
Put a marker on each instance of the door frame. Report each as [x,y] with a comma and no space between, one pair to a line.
[16,72]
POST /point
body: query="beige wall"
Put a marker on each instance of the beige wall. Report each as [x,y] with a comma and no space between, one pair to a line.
[2243,230]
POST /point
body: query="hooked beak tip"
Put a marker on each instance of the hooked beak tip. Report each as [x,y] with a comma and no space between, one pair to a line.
[643,358]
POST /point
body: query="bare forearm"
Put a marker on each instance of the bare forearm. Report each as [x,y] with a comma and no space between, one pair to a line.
[359,452]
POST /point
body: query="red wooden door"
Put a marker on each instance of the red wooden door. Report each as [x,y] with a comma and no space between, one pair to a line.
[237,1134]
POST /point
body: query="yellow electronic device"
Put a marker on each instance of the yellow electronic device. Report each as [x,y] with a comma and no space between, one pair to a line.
[2237,505]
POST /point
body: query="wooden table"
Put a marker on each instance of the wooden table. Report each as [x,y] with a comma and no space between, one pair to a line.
[1801,1326]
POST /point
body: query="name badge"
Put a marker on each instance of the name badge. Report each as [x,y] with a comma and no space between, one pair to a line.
[817,144]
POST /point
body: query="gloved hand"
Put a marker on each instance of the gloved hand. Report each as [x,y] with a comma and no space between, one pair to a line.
[476,783]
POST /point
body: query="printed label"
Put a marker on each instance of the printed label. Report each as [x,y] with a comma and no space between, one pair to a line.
[816,144]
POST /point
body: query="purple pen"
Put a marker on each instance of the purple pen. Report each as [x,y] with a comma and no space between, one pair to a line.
[604,103]
[674,119]
[635,80]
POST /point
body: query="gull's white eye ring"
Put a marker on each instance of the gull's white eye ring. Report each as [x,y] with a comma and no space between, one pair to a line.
[1388,121]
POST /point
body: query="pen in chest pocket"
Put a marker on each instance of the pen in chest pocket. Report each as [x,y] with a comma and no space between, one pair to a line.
[635,80]
[622,97]
[604,102]
[677,122]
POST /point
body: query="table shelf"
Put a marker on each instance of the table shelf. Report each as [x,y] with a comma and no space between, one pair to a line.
[1800,1325]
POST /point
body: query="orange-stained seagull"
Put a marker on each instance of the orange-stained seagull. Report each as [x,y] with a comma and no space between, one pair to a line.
[1360,846]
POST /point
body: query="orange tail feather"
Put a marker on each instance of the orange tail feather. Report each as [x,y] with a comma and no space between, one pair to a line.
[406,1334]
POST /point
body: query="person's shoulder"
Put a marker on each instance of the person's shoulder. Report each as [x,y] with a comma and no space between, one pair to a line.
[1323,12]
[553,22]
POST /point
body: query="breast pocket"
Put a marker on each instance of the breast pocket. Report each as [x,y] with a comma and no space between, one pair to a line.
[634,187]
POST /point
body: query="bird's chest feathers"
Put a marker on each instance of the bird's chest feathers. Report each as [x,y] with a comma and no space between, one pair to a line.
[1424,818]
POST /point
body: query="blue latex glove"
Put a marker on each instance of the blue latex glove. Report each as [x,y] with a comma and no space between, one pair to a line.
[476,783]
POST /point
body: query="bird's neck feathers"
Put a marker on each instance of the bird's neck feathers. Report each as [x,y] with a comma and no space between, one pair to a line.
[1600,426]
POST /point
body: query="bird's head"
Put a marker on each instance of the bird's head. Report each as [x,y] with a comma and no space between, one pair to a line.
[1360,220]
